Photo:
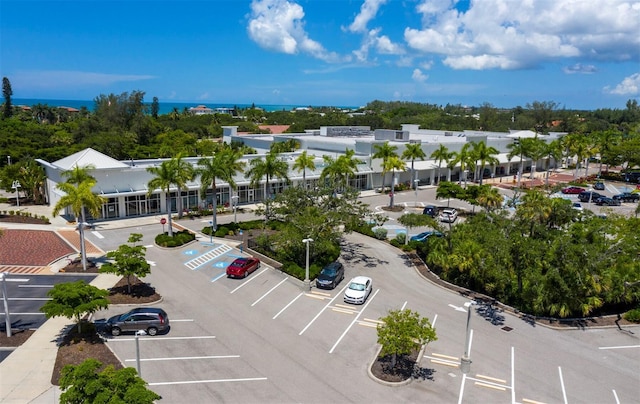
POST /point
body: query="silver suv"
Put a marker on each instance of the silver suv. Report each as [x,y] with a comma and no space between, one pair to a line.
[149,319]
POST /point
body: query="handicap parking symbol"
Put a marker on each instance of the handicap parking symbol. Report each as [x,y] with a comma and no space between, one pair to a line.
[190,252]
[221,264]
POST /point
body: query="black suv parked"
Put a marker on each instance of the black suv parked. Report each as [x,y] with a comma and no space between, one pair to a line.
[586,195]
[149,319]
[627,197]
[330,276]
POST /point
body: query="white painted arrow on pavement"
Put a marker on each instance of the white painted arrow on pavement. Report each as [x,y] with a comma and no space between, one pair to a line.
[458,308]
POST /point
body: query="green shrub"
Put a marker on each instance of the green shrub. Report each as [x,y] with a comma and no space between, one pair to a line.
[222,231]
[401,238]
[179,238]
[633,315]
[395,243]
[380,233]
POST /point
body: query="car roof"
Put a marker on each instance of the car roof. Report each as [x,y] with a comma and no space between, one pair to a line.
[361,279]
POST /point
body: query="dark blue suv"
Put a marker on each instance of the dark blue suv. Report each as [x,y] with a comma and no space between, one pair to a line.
[430,210]
[330,276]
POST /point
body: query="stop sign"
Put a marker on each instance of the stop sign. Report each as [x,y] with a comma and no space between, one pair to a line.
[163,221]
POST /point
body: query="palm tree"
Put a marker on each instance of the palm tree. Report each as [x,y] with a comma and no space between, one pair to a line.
[484,154]
[441,154]
[489,198]
[338,170]
[384,152]
[518,148]
[269,167]
[164,178]
[184,172]
[606,142]
[552,150]
[411,152]
[536,150]
[464,157]
[80,197]
[302,163]
[394,163]
[224,164]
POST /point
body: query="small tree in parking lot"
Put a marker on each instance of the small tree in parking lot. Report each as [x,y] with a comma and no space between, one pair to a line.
[128,260]
[402,331]
[73,299]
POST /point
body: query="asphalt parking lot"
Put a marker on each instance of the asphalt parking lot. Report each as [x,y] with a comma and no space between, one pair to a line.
[26,294]
[267,339]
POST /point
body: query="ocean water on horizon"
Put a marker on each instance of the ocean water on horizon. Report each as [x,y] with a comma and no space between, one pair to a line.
[165,107]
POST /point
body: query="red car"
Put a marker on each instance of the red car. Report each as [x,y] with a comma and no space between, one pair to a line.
[572,190]
[242,267]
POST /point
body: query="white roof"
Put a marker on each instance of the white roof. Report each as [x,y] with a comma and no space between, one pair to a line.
[523,134]
[87,157]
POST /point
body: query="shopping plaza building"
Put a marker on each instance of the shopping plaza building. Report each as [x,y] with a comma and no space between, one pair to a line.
[124,184]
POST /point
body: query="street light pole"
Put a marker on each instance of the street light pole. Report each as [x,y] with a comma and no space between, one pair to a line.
[5,300]
[16,185]
[234,201]
[307,281]
[465,362]
[415,182]
[138,334]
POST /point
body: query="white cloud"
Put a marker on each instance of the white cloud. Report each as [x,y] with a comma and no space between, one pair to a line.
[419,76]
[368,11]
[580,68]
[427,65]
[629,86]
[278,25]
[52,79]
[512,34]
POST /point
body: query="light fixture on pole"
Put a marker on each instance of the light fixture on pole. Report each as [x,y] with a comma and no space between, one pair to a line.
[138,334]
[415,182]
[307,281]
[16,185]
[465,361]
[9,159]
[234,202]
[5,300]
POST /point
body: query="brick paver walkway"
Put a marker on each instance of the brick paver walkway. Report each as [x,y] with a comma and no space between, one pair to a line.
[31,251]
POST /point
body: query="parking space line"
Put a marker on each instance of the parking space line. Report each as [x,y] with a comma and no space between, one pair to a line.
[453,358]
[490,386]
[564,392]
[615,395]
[17,279]
[23,314]
[494,379]
[316,296]
[270,290]
[222,275]
[354,321]
[29,298]
[35,286]
[526,400]
[321,311]
[619,347]
[289,304]
[156,338]
[249,379]
[345,311]
[249,280]
[183,320]
[184,358]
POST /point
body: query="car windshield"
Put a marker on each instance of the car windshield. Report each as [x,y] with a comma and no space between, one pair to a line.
[356,286]
[329,271]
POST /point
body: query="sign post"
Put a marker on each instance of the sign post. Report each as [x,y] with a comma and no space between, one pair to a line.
[163,221]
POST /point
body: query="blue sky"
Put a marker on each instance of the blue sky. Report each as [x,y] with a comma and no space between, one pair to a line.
[581,54]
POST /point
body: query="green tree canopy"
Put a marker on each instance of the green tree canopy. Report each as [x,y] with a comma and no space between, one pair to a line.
[128,260]
[73,299]
[85,383]
[402,331]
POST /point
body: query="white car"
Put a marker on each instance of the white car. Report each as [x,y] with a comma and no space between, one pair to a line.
[359,290]
[577,206]
[448,215]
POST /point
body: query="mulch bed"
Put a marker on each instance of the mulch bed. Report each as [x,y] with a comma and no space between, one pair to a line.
[18,337]
[405,367]
[75,348]
[21,219]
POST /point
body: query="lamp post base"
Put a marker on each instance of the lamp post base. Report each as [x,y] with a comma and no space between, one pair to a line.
[465,365]
[307,284]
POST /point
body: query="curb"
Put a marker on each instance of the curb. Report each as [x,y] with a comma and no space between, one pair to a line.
[393,384]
